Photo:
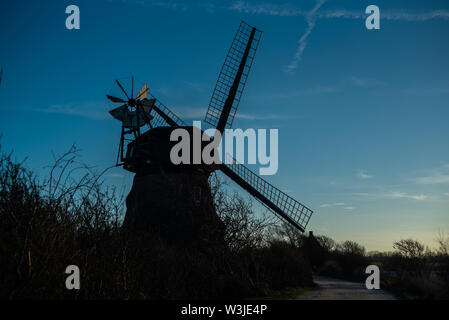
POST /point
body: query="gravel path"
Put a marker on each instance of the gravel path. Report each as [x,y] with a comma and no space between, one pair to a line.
[335,289]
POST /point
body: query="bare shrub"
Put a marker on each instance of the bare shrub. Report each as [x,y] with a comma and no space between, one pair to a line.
[243,228]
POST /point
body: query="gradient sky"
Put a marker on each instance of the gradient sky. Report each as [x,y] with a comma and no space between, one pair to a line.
[363,115]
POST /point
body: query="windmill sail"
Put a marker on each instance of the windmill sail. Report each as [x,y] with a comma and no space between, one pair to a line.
[277,201]
[115,99]
[232,78]
[162,116]
[143,92]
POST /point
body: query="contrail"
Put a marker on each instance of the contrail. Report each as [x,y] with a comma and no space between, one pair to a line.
[302,43]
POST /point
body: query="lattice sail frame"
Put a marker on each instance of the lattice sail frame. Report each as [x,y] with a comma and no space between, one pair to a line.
[158,121]
[228,73]
[274,199]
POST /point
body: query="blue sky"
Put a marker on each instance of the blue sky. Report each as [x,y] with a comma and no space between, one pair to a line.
[362,114]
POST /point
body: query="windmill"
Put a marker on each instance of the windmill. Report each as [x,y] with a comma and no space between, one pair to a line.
[150,123]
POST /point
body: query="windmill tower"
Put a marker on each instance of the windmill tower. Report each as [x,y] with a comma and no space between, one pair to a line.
[176,200]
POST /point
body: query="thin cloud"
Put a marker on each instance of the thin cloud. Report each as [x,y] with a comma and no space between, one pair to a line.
[394,195]
[435,176]
[288,10]
[342,85]
[174,5]
[198,113]
[362,174]
[434,179]
[337,204]
[393,15]
[400,195]
[416,16]
[190,113]
[200,87]
[268,9]
[342,14]
[91,110]
[247,116]
[363,194]
[302,42]
[317,90]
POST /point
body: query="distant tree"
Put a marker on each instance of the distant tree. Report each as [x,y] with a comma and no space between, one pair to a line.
[410,248]
[287,232]
[352,248]
[326,242]
[443,244]
[412,258]
[350,259]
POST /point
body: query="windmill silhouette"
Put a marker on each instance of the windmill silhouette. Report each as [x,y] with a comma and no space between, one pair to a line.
[179,196]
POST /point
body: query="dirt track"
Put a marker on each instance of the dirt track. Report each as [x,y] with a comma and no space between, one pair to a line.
[335,289]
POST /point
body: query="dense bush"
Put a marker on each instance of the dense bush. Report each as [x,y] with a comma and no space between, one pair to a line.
[291,268]
[414,271]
